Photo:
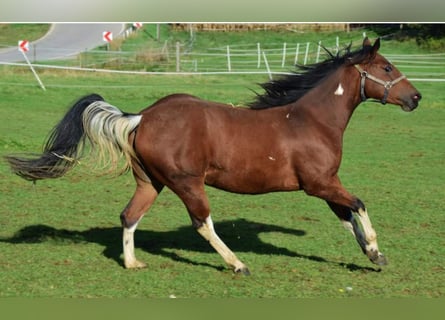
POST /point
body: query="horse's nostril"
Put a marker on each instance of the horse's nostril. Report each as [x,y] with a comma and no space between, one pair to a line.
[417,97]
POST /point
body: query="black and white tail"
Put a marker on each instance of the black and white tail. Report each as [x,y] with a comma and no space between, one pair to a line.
[105,126]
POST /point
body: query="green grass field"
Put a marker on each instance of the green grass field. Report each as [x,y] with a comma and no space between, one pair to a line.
[11,33]
[62,238]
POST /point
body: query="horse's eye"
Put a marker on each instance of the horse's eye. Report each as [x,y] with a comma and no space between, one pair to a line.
[388,68]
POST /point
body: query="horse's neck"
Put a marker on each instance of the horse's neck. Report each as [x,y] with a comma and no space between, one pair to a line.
[333,101]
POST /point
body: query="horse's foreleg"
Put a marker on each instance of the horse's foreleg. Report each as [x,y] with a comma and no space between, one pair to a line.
[141,201]
[372,249]
[208,232]
[367,239]
[343,204]
[349,222]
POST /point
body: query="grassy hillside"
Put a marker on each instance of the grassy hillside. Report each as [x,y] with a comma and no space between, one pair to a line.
[11,33]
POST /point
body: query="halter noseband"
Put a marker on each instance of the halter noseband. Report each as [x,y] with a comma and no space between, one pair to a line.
[387,84]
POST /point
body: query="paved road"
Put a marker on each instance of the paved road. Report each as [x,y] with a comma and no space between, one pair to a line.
[64,40]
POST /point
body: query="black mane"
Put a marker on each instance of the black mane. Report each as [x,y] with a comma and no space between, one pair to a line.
[292,87]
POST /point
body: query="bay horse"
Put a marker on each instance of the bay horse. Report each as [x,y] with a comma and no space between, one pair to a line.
[289,138]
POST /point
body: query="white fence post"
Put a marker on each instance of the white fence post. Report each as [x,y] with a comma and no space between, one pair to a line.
[306,54]
[283,60]
[297,51]
[164,51]
[267,66]
[178,58]
[192,34]
[258,46]
[229,64]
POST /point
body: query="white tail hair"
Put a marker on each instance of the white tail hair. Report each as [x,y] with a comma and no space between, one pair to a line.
[108,129]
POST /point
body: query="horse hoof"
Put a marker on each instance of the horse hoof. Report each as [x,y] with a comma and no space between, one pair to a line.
[380,260]
[135,265]
[244,270]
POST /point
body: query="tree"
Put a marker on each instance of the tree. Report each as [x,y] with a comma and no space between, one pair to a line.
[430,36]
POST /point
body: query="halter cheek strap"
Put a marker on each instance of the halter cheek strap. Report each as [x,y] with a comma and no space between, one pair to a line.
[386,84]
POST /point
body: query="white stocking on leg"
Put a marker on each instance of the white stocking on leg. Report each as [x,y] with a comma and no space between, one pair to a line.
[208,232]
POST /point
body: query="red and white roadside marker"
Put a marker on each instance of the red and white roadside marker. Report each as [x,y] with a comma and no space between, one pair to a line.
[23,45]
[107,36]
[137,25]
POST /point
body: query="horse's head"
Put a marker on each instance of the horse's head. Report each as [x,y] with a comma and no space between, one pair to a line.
[381,80]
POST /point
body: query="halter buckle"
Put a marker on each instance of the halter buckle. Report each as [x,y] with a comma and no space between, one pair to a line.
[388,85]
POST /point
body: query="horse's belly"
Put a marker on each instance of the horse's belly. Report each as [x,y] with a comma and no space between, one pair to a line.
[251,181]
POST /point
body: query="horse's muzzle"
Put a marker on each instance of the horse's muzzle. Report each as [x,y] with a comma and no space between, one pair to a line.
[412,102]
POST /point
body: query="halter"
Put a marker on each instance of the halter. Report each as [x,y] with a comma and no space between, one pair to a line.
[387,84]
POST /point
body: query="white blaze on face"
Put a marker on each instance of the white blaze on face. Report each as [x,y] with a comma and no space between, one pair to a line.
[339,91]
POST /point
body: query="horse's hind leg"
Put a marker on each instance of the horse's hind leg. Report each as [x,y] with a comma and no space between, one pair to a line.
[195,199]
[143,198]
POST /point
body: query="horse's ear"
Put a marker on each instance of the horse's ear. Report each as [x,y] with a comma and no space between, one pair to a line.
[366,42]
[375,47]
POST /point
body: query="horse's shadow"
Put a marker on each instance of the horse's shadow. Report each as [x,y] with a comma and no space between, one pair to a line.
[240,235]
